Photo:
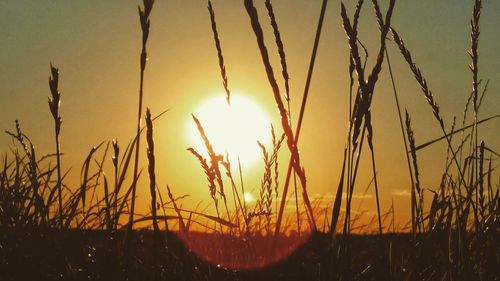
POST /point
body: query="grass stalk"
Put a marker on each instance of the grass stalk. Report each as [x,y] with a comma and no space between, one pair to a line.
[400,117]
[365,92]
[219,52]
[286,78]
[115,157]
[54,104]
[213,172]
[151,169]
[144,14]
[435,109]
[245,212]
[473,52]
[372,152]
[291,141]
[236,195]
[417,190]
[301,116]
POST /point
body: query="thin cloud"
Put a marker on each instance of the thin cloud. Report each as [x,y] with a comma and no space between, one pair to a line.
[401,192]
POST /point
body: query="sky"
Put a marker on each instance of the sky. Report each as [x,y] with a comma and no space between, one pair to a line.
[96,46]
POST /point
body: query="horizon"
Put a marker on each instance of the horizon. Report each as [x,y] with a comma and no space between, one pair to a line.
[96,46]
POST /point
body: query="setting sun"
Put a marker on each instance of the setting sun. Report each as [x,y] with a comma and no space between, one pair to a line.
[233,128]
[248,197]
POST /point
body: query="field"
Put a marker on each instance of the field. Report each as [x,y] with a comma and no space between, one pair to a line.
[96,229]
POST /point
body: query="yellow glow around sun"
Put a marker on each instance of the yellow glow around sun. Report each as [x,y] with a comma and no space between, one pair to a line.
[233,128]
[248,197]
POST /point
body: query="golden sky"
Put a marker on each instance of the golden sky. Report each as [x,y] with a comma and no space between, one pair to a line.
[96,45]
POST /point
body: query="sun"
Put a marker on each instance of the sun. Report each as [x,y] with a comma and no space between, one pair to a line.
[233,129]
[248,197]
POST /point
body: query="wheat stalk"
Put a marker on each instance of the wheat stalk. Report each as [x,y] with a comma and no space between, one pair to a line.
[281,50]
[209,173]
[413,152]
[237,199]
[286,78]
[215,173]
[480,184]
[473,52]
[369,136]
[435,109]
[54,103]
[418,76]
[292,145]
[151,168]
[183,229]
[219,52]
[144,20]
[266,189]
[362,101]
[400,117]
[115,157]
[215,158]
[351,83]
[274,158]
[32,170]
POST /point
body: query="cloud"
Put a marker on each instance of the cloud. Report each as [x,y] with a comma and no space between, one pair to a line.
[401,192]
[330,197]
[360,196]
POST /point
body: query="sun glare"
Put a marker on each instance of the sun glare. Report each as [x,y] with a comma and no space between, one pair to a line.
[248,197]
[233,128]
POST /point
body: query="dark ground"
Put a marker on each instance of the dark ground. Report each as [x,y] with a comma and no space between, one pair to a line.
[96,255]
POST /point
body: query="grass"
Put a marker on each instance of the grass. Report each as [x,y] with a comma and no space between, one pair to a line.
[52,231]
[54,103]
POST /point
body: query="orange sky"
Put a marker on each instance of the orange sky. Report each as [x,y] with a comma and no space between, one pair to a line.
[96,45]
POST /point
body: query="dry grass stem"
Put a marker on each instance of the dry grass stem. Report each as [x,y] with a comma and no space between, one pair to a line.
[54,103]
[151,169]
[219,52]
[144,14]
[252,12]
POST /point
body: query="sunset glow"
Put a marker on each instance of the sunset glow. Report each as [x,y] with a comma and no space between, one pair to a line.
[269,140]
[248,197]
[232,129]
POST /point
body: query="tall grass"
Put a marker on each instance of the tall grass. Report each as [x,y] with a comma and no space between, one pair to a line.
[219,52]
[145,24]
[299,123]
[416,192]
[454,238]
[151,169]
[54,103]
[291,141]
[361,108]
[286,78]
[407,157]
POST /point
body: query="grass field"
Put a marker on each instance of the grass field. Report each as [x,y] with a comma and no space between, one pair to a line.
[51,229]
